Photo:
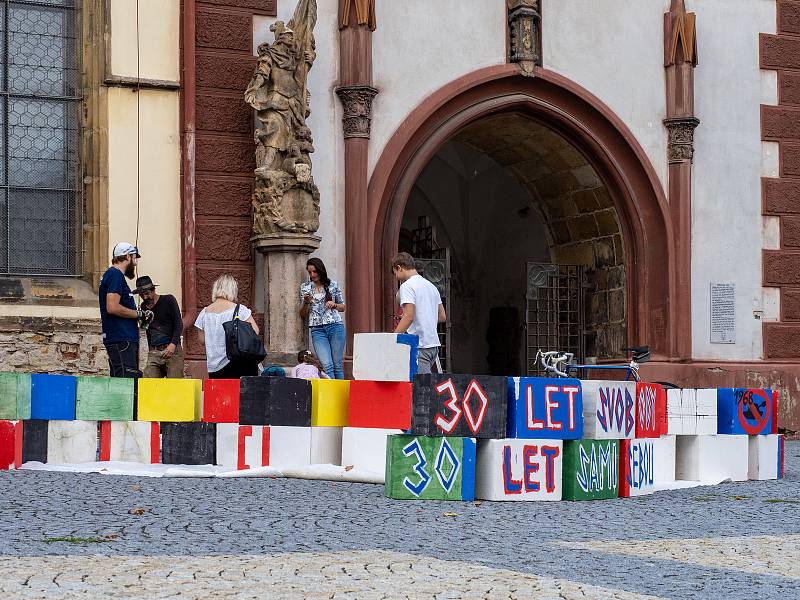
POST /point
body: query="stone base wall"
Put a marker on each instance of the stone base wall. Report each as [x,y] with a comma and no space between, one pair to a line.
[50,345]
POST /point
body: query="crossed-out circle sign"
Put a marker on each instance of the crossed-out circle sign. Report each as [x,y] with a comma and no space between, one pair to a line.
[753,414]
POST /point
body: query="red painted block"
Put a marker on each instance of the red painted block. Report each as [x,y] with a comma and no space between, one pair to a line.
[774,411]
[651,410]
[10,445]
[380,404]
[221,401]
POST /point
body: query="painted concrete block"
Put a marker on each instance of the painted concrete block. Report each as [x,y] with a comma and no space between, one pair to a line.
[519,469]
[282,401]
[744,411]
[242,446]
[459,405]
[775,414]
[10,445]
[380,404]
[130,441]
[691,412]
[644,464]
[289,446]
[71,442]
[591,469]
[364,448]
[385,356]
[326,445]
[53,397]
[544,408]
[609,409]
[170,400]
[15,396]
[34,441]
[706,411]
[430,468]
[104,399]
[764,457]
[711,458]
[651,410]
[330,399]
[221,401]
[185,443]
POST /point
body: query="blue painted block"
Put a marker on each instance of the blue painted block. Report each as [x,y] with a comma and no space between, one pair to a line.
[545,408]
[744,411]
[53,397]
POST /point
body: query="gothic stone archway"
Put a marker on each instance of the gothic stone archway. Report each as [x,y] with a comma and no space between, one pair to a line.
[578,117]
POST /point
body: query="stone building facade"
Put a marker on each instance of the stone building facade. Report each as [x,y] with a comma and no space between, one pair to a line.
[652,144]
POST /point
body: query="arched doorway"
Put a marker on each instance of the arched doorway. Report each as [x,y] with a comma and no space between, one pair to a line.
[546,128]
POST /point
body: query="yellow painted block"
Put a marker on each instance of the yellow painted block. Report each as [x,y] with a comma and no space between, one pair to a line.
[170,400]
[330,399]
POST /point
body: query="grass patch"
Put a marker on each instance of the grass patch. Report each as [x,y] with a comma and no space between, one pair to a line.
[706,498]
[781,501]
[79,540]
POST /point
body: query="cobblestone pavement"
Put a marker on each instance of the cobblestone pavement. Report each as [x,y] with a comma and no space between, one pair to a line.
[255,538]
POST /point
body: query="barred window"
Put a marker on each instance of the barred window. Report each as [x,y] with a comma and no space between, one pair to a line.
[40,215]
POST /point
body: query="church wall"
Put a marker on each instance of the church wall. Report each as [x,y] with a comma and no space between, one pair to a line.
[729,162]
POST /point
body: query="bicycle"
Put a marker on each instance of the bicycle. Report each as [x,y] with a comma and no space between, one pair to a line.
[560,363]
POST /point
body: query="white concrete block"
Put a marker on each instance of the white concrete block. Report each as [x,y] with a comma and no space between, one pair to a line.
[71,442]
[326,445]
[289,446]
[711,459]
[242,446]
[519,470]
[384,356]
[609,409]
[664,448]
[692,412]
[364,448]
[763,457]
[131,441]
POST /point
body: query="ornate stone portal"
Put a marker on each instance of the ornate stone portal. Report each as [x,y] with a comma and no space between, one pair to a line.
[286,199]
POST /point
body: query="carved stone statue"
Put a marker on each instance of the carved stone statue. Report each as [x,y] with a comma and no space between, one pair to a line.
[286,198]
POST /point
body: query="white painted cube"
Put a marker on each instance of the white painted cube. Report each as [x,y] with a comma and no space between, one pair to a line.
[711,459]
[706,411]
[364,448]
[384,357]
[242,446]
[682,412]
[609,409]
[664,448]
[303,446]
[519,470]
[326,445]
[71,442]
[763,456]
[131,441]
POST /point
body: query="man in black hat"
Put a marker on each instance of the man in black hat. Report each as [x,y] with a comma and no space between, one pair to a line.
[165,358]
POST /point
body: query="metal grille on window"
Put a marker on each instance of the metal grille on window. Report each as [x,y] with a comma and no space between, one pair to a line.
[39,177]
[555,316]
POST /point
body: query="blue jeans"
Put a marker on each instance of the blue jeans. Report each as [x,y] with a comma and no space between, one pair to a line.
[329,345]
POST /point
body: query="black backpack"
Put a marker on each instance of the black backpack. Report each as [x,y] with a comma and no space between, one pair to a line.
[241,342]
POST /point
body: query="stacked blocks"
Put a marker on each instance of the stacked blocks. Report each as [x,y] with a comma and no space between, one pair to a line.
[15,396]
[104,399]
[609,410]
[53,397]
[171,400]
[745,411]
[385,356]
[591,469]
[221,401]
[430,468]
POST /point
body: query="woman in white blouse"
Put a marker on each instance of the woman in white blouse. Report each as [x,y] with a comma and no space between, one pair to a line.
[224,293]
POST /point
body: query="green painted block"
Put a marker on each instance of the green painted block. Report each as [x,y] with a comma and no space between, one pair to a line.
[591,469]
[430,468]
[104,399]
[15,396]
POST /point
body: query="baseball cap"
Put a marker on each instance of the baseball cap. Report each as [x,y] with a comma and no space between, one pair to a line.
[125,248]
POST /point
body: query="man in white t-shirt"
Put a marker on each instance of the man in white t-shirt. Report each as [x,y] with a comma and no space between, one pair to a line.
[422,310]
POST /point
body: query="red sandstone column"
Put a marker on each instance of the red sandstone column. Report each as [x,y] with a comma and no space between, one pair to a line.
[680,58]
[356,24]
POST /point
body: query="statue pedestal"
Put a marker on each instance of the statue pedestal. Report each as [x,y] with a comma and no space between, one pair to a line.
[285,256]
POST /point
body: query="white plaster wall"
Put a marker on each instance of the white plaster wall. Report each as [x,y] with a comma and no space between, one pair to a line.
[420,46]
[726,212]
[614,49]
[326,126]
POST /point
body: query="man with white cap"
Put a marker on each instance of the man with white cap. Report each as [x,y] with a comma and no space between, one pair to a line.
[119,314]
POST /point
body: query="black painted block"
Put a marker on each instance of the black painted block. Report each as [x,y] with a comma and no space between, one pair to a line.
[34,441]
[445,404]
[188,443]
[275,401]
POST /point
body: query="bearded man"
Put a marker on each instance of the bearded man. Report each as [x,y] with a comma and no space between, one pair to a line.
[118,313]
